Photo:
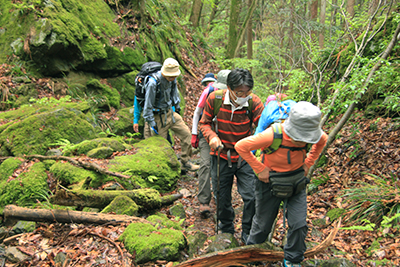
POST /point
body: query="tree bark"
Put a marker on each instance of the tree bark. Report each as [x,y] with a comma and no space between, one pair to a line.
[147,199]
[350,8]
[12,212]
[195,13]
[250,36]
[233,39]
[247,254]
[244,26]
[322,16]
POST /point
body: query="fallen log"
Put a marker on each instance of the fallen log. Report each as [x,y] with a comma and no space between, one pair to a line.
[252,253]
[12,212]
[147,199]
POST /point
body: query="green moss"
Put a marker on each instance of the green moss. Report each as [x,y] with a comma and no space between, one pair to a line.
[150,244]
[36,133]
[111,94]
[69,174]
[8,167]
[122,205]
[26,189]
[155,160]
[162,220]
[336,213]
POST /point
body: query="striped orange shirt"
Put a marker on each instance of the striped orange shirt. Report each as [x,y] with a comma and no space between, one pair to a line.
[232,127]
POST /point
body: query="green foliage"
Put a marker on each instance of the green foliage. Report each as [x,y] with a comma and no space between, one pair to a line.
[317,181]
[372,201]
[367,227]
[50,101]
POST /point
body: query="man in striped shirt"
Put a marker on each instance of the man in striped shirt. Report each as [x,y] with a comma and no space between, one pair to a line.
[236,110]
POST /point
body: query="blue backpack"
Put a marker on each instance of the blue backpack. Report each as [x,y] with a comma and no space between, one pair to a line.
[274,112]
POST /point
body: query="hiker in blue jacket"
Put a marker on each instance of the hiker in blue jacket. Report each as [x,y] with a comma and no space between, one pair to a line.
[158,110]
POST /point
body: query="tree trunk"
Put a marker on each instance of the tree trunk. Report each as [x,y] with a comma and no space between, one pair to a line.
[250,36]
[350,8]
[195,14]
[12,212]
[246,254]
[313,17]
[233,39]
[147,199]
[322,16]
[244,25]
[213,15]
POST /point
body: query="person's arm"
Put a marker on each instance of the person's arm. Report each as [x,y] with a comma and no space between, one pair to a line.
[316,150]
[176,100]
[260,141]
[136,114]
[206,123]
[149,103]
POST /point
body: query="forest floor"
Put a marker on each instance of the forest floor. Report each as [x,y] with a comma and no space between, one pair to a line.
[364,150]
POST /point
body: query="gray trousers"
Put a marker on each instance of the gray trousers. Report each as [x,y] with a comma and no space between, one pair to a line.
[204,172]
[267,207]
[246,188]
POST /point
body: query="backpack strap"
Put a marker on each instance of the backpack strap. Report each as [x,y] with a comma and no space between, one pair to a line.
[277,143]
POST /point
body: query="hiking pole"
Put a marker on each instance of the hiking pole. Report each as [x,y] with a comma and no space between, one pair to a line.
[219,148]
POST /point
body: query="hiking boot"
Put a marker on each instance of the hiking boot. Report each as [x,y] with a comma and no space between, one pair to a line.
[287,263]
[244,238]
[205,210]
[188,166]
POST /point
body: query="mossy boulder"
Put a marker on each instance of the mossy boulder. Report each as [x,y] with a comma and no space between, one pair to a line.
[122,122]
[122,205]
[178,211]
[161,219]
[8,167]
[222,242]
[125,84]
[150,244]
[111,95]
[69,174]
[27,189]
[87,146]
[36,133]
[24,227]
[195,241]
[155,165]
[100,153]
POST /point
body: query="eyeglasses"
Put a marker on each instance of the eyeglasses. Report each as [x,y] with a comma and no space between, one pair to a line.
[242,93]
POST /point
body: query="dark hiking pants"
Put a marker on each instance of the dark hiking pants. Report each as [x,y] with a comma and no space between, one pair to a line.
[245,184]
[267,207]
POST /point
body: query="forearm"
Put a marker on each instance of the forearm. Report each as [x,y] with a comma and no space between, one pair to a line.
[196,118]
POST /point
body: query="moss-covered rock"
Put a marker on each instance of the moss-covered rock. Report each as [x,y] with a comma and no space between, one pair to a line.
[112,95]
[100,153]
[178,211]
[122,122]
[222,242]
[336,213]
[122,205]
[195,240]
[24,227]
[8,167]
[162,220]
[155,164]
[69,174]
[27,189]
[150,244]
[36,133]
[88,145]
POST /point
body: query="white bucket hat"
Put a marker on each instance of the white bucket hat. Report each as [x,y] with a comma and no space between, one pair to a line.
[222,78]
[170,68]
[303,123]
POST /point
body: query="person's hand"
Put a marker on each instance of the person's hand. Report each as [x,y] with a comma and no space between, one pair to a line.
[306,169]
[264,175]
[178,110]
[215,143]
[155,129]
[136,127]
[195,141]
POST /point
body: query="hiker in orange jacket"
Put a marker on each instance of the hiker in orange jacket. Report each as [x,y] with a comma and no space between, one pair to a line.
[289,162]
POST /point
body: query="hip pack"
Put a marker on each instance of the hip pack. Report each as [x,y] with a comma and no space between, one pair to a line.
[287,184]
